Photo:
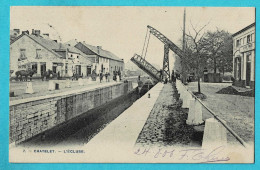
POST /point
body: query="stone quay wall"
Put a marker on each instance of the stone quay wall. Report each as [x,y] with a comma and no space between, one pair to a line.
[34,116]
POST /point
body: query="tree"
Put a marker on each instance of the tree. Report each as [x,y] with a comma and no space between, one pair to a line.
[218,45]
[196,56]
[226,58]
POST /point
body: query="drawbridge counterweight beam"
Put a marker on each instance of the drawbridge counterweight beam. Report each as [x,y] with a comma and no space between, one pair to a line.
[147,67]
[166,41]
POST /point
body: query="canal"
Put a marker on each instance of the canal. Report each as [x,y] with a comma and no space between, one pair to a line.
[81,129]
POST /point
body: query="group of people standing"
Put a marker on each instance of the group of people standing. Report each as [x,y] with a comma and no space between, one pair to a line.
[116,76]
[174,76]
[107,76]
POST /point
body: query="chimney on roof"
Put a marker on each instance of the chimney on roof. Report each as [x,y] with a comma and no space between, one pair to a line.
[25,32]
[46,34]
[55,41]
[99,48]
[37,32]
[33,33]
[17,30]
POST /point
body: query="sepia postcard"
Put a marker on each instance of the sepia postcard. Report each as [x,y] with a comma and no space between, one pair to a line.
[132,84]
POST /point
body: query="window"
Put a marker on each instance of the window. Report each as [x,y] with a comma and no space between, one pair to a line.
[77,56]
[78,69]
[244,40]
[248,38]
[237,43]
[38,53]
[22,54]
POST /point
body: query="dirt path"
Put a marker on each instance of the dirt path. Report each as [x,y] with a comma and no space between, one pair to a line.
[237,111]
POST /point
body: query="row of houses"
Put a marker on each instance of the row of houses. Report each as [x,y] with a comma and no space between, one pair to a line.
[39,52]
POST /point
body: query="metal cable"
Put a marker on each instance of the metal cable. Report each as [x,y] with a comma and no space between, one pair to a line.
[144,42]
[147,44]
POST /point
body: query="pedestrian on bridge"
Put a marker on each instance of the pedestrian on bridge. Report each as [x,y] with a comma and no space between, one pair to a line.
[161,75]
[173,77]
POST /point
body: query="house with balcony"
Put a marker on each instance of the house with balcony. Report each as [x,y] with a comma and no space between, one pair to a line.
[244,57]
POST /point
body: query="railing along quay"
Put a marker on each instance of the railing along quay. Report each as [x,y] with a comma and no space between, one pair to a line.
[239,139]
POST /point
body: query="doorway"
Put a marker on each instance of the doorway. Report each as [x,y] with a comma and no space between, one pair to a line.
[43,68]
[248,70]
[78,69]
[54,69]
[88,70]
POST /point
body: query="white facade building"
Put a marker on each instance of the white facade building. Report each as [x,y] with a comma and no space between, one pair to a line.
[244,57]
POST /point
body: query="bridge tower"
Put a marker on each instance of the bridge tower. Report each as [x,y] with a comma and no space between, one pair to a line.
[166,67]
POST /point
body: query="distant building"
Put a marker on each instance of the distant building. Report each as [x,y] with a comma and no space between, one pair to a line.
[39,52]
[244,57]
[208,76]
[103,60]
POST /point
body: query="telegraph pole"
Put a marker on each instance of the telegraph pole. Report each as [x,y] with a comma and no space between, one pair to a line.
[183,47]
[183,36]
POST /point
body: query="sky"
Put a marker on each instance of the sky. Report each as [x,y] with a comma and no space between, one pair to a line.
[122,30]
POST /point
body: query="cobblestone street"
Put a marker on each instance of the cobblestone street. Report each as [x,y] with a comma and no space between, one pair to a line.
[166,124]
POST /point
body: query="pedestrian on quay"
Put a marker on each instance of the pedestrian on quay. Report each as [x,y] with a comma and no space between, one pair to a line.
[73,76]
[101,77]
[58,75]
[114,76]
[119,74]
[106,75]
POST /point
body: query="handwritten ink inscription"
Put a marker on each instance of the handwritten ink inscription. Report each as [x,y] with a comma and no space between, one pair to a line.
[198,155]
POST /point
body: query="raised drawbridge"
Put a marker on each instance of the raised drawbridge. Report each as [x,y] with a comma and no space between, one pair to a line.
[146,66]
